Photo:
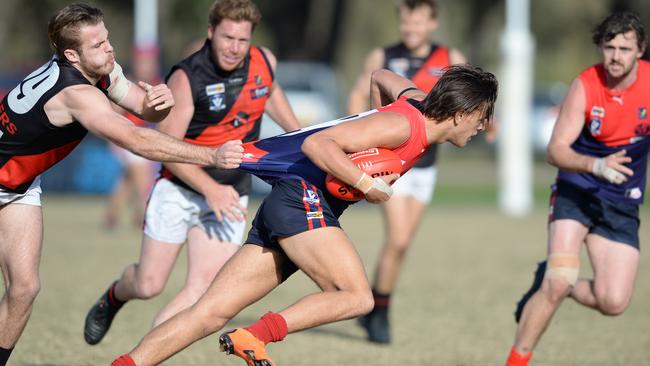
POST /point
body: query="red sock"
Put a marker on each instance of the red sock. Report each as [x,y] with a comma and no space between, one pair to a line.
[270,328]
[517,359]
[112,299]
[124,360]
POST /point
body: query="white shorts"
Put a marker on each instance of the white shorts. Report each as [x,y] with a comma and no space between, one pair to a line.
[31,197]
[173,210]
[417,183]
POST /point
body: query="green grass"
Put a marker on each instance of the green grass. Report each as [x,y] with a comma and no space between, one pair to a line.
[453,307]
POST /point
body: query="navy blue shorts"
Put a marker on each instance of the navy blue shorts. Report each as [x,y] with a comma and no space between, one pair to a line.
[613,220]
[292,207]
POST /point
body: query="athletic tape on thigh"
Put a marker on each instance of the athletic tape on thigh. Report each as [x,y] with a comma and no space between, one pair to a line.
[563,266]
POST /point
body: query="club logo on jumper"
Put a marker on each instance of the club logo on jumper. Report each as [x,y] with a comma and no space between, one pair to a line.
[258,80]
[259,92]
[315,215]
[634,193]
[594,127]
[643,113]
[311,197]
[597,112]
[213,89]
[217,96]
[595,124]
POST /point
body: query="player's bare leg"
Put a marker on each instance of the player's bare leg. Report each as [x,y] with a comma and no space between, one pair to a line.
[140,175]
[147,278]
[21,238]
[116,203]
[142,280]
[566,238]
[249,275]
[205,257]
[615,267]
[402,215]
[328,257]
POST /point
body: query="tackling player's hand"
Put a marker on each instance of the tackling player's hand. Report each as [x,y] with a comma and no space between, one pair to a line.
[224,201]
[380,191]
[229,155]
[158,97]
[611,167]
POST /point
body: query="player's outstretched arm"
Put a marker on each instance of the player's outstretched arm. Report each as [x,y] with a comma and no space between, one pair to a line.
[386,86]
[566,131]
[90,107]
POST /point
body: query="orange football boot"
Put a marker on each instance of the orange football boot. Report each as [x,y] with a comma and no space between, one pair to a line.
[242,343]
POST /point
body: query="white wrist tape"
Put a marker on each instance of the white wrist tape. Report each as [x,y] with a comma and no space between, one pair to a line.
[366,183]
[601,170]
[380,185]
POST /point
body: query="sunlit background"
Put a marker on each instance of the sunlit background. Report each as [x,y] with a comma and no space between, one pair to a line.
[321,46]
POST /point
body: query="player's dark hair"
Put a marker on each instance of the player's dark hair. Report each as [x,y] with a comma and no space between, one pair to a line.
[237,10]
[63,28]
[464,89]
[413,4]
[618,23]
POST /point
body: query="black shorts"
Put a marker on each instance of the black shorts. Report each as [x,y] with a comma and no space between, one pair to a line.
[613,220]
[293,207]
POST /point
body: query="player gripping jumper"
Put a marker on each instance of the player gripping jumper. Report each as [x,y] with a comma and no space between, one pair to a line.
[296,227]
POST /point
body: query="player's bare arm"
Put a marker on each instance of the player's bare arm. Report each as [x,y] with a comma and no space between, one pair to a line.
[328,148]
[223,199]
[150,102]
[359,95]
[277,105]
[567,129]
[456,57]
[92,109]
[386,86]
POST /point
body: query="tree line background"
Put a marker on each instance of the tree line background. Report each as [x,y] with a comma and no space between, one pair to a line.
[335,32]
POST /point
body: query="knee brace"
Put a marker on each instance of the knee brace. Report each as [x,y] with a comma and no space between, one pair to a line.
[563,266]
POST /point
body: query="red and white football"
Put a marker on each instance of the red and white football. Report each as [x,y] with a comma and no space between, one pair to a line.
[376,162]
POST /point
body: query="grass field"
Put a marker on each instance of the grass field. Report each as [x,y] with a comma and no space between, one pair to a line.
[453,307]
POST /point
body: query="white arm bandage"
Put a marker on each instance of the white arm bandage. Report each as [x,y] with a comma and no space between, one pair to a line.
[120,85]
